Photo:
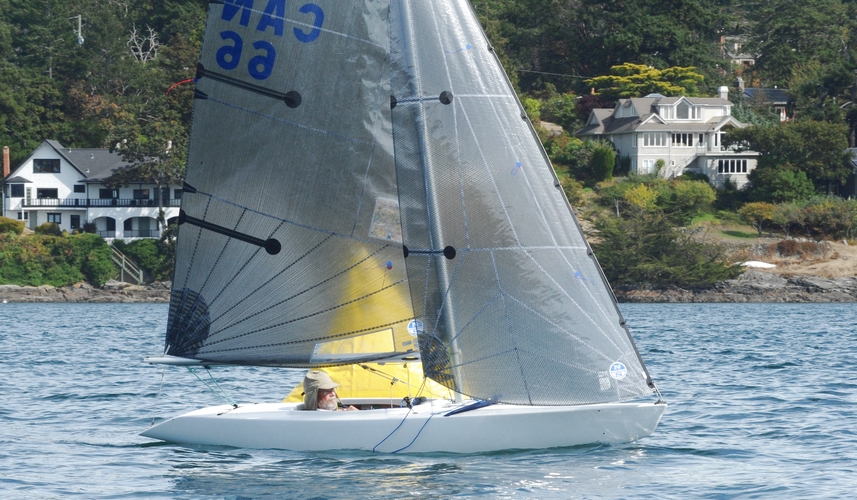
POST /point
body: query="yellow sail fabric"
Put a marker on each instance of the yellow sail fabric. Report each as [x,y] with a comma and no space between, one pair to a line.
[386,380]
[358,382]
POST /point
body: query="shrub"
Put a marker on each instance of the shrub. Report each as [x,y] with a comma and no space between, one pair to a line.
[8,225]
[49,228]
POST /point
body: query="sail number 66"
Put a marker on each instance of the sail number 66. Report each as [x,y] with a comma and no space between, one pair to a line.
[261,65]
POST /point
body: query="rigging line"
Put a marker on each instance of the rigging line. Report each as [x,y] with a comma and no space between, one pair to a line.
[160,387]
[220,392]
[410,409]
[301,318]
[389,377]
[298,294]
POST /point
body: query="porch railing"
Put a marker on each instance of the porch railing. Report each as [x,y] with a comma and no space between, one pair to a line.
[96,202]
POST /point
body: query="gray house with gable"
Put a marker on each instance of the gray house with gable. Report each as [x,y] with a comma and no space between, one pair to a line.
[685,132]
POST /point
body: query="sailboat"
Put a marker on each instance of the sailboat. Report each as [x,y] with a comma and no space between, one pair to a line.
[364,170]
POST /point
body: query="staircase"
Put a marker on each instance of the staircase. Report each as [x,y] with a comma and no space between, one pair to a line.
[128,271]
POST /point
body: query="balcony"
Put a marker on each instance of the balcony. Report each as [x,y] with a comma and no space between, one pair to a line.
[95,202]
[142,233]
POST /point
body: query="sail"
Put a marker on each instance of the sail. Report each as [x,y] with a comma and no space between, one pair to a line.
[511,302]
[290,235]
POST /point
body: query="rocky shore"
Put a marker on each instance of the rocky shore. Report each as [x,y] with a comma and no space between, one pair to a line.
[752,286]
[112,291]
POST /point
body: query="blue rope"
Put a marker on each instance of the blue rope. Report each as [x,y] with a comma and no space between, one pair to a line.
[418,433]
[394,431]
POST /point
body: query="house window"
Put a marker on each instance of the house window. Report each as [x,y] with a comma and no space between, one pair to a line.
[682,111]
[45,193]
[648,166]
[141,194]
[79,188]
[127,225]
[16,190]
[55,218]
[75,221]
[46,166]
[177,194]
[106,194]
[732,166]
[24,216]
[682,140]
[701,139]
[654,139]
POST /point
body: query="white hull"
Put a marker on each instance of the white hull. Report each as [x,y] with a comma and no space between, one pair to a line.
[497,427]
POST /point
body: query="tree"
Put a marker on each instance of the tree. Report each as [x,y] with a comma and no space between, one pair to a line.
[644,248]
[602,163]
[817,149]
[757,214]
[637,80]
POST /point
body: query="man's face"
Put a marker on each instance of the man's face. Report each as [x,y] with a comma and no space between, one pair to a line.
[327,399]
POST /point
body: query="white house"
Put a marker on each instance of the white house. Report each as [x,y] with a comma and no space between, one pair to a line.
[66,186]
[685,132]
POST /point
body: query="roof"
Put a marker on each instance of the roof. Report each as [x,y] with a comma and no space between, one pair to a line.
[774,96]
[18,180]
[95,164]
[648,119]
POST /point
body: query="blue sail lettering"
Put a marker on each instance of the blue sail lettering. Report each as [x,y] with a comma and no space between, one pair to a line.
[274,14]
[231,7]
[311,8]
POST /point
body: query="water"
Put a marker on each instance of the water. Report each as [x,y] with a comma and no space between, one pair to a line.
[762,405]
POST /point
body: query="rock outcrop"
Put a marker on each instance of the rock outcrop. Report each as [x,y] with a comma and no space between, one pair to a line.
[112,291]
[752,286]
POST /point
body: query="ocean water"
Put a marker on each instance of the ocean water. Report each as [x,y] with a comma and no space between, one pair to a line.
[763,404]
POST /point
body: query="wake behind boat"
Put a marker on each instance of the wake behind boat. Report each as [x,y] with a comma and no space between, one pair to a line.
[363,185]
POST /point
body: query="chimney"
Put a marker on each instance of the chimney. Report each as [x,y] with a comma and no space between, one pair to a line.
[7,164]
[723,92]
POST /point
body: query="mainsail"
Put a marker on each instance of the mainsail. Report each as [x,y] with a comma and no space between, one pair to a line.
[363,167]
[290,234]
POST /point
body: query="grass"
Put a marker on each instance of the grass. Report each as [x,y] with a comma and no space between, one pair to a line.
[740,234]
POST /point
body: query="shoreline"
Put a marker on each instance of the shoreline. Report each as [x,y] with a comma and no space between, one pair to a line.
[753,286]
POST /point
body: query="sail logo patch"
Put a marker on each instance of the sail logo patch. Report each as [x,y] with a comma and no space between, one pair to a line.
[618,370]
[415,327]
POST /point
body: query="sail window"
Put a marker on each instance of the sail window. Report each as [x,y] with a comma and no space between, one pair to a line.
[386,224]
[361,347]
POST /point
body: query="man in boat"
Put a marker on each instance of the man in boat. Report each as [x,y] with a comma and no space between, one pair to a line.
[320,392]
